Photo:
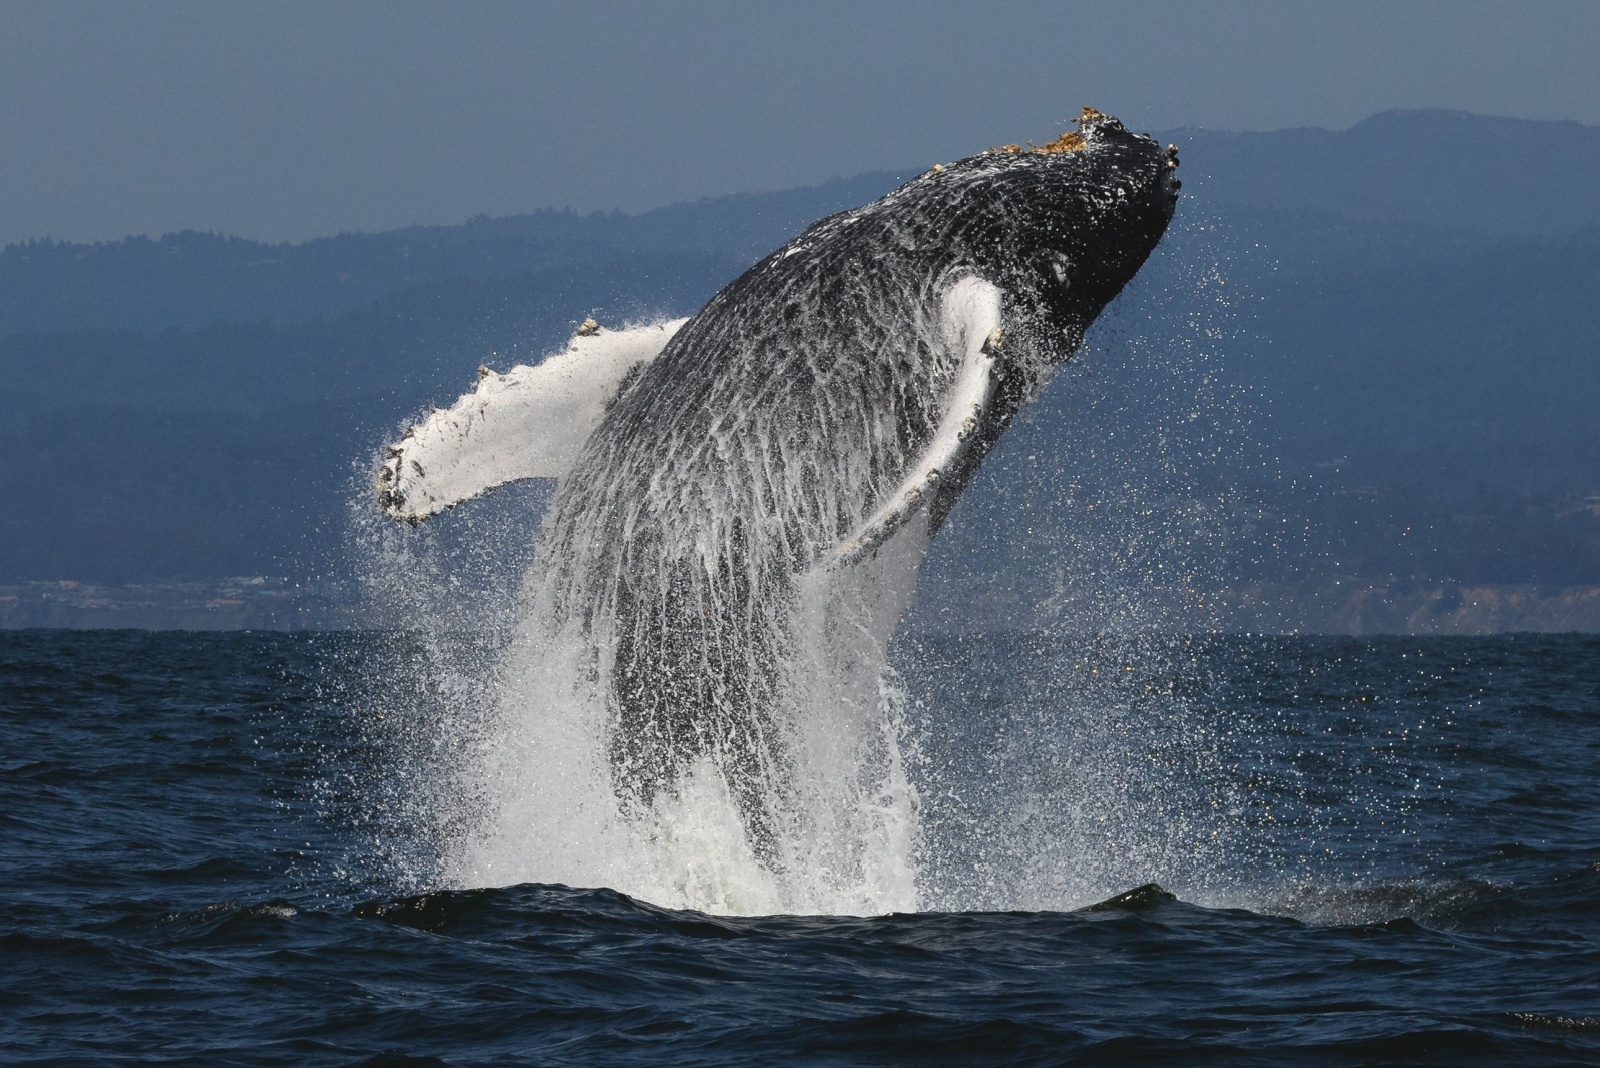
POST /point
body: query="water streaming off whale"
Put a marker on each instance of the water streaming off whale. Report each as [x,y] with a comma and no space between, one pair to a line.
[693,700]
[904,800]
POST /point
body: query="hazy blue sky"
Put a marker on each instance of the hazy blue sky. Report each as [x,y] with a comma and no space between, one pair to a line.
[286,120]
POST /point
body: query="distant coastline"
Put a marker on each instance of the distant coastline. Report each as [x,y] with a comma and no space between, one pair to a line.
[1345,607]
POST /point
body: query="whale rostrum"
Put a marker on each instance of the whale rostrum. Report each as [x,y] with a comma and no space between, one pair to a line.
[772,468]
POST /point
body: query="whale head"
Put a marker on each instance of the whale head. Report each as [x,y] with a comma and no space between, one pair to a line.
[1066,225]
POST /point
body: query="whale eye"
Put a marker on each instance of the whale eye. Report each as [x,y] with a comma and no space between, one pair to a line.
[1062,269]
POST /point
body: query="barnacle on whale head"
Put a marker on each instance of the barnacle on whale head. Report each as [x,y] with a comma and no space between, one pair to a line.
[1075,140]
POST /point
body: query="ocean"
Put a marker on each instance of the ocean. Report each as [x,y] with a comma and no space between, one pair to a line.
[244,848]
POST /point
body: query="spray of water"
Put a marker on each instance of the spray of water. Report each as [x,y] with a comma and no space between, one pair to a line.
[1079,751]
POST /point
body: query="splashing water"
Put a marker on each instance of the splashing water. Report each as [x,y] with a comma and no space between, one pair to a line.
[514,781]
[845,834]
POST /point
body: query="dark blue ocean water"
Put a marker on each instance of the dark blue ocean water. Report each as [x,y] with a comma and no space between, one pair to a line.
[1375,852]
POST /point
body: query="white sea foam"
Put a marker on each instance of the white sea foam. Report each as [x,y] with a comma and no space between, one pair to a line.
[548,810]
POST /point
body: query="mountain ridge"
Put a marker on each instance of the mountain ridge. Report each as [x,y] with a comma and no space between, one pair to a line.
[1422,391]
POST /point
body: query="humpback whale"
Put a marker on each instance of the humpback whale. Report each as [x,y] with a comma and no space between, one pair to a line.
[794,444]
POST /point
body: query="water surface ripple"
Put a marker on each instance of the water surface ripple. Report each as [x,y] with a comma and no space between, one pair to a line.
[1371,852]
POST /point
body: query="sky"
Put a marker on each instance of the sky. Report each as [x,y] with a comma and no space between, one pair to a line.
[286,120]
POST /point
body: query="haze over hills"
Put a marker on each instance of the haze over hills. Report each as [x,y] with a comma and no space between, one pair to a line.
[1431,167]
[1386,338]
[190,280]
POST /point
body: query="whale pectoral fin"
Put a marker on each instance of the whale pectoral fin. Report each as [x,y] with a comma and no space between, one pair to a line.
[969,320]
[530,422]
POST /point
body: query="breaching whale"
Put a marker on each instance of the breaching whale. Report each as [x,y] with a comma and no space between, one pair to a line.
[797,441]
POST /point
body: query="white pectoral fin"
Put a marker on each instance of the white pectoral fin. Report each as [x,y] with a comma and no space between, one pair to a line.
[530,422]
[970,322]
